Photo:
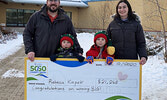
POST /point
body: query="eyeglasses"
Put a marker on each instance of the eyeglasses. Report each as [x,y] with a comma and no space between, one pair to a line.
[53,0]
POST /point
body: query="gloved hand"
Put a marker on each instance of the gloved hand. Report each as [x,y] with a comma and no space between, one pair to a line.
[53,58]
[80,58]
[109,60]
[90,59]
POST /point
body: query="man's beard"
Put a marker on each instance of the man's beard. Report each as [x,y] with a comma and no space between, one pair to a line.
[53,10]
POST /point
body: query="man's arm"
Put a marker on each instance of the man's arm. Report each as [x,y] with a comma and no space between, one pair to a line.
[28,36]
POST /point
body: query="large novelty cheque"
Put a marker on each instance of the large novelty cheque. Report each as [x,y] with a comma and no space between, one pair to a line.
[68,79]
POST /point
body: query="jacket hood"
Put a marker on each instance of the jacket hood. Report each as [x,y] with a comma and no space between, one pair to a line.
[135,14]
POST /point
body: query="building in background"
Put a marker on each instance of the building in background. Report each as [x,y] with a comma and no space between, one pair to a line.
[15,13]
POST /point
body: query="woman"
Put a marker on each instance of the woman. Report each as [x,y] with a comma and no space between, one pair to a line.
[127,34]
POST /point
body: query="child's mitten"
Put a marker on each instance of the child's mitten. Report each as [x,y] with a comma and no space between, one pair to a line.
[109,60]
[80,58]
[90,59]
[53,58]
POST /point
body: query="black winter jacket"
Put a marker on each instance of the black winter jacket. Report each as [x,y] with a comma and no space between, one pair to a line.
[42,36]
[66,53]
[128,39]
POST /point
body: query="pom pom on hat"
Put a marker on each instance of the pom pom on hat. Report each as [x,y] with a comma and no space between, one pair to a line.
[110,48]
[67,37]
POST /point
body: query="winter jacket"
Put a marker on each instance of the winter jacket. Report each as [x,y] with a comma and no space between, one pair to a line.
[42,36]
[66,53]
[95,50]
[128,39]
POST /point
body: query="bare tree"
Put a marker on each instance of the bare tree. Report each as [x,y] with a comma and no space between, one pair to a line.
[163,28]
[160,18]
[101,16]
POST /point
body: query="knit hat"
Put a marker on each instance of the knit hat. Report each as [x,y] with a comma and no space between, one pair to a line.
[110,48]
[103,35]
[100,34]
[67,37]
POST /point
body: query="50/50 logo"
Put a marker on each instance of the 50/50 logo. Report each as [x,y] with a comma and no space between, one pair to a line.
[38,68]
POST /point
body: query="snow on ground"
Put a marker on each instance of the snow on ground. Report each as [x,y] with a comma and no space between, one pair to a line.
[13,73]
[154,72]
[86,41]
[154,78]
[11,47]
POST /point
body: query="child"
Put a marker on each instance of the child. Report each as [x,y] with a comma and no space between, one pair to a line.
[67,49]
[101,49]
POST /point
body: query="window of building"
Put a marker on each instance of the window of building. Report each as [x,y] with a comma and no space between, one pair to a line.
[18,17]
[69,14]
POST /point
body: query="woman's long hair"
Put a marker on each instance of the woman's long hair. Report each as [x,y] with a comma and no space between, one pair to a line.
[131,16]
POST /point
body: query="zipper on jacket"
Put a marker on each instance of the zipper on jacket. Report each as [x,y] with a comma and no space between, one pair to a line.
[49,33]
[123,31]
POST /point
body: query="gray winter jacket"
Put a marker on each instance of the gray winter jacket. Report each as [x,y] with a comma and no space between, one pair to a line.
[42,36]
[128,39]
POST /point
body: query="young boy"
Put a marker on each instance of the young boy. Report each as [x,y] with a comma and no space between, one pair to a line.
[67,49]
[101,49]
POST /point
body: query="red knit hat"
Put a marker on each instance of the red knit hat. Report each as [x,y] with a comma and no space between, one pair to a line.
[100,34]
[110,48]
[67,37]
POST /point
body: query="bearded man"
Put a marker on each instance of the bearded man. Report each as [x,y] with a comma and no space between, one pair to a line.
[44,29]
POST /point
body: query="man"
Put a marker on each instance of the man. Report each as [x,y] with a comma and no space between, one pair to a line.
[44,29]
